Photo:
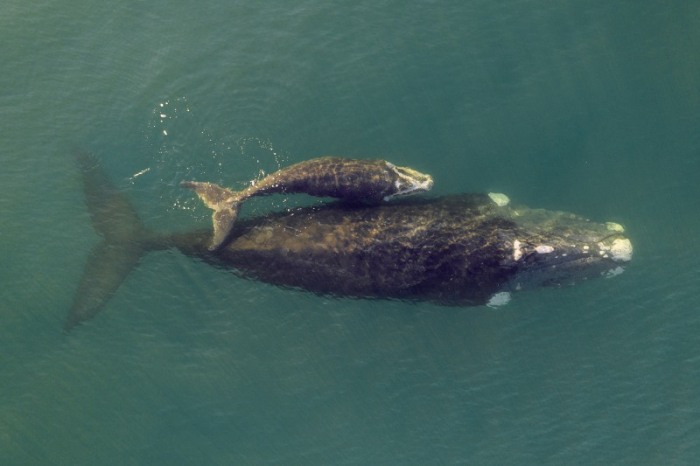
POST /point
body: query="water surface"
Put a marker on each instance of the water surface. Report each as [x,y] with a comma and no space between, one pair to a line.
[589,107]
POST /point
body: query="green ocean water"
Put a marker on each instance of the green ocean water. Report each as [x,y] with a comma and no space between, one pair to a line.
[590,107]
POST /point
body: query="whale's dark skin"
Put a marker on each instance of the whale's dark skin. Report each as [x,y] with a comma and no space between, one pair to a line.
[456,250]
[352,180]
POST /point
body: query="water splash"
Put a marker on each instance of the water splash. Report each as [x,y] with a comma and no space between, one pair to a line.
[183,147]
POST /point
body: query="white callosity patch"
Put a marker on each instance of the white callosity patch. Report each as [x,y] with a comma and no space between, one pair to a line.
[499,299]
[612,226]
[517,252]
[620,250]
[613,272]
[499,199]
[603,250]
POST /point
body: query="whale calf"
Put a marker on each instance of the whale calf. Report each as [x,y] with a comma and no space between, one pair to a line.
[352,180]
[469,249]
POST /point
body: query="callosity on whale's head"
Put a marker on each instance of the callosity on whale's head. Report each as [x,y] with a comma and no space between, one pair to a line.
[409,181]
[559,248]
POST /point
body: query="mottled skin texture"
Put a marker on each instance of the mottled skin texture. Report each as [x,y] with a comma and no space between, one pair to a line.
[441,250]
[352,180]
[456,250]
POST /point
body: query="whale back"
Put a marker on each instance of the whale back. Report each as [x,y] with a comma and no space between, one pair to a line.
[443,250]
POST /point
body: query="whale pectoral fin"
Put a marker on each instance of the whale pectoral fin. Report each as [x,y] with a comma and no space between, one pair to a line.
[224,202]
[223,220]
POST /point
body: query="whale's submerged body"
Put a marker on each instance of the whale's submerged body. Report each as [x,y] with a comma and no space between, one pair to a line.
[455,250]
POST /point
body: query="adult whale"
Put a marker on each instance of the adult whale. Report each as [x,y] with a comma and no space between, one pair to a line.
[455,250]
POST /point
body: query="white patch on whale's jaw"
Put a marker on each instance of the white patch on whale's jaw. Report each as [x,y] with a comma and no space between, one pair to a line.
[544,249]
[500,199]
[409,181]
[517,252]
[613,272]
[616,227]
[499,299]
[620,250]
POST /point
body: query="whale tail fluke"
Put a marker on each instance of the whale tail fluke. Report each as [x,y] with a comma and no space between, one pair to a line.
[124,241]
[107,266]
[225,203]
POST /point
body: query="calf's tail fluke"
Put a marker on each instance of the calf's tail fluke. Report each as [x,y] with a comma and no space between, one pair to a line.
[225,203]
[124,241]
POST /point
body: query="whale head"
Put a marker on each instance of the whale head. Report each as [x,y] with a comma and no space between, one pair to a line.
[558,248]
[408,181]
